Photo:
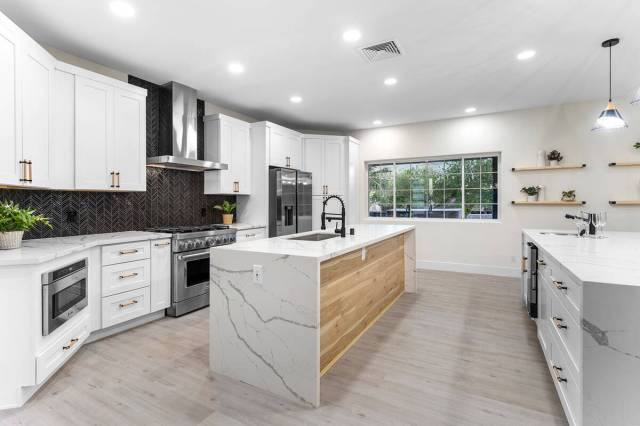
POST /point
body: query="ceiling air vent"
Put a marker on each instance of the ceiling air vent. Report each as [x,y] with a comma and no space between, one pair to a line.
[378,52]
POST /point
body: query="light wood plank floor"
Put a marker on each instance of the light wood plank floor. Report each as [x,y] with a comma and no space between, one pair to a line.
[461,352]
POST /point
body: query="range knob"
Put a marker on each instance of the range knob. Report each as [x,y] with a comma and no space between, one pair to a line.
[210,241]
[199,243]
[189,245]
[182,245]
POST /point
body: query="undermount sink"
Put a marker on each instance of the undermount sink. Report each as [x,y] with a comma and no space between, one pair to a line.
[568,234]
[319,236]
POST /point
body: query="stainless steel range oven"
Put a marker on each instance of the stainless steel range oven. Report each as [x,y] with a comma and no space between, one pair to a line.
[64,294]
[190,264]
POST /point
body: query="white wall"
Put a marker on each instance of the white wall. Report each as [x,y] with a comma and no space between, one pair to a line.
[494,247]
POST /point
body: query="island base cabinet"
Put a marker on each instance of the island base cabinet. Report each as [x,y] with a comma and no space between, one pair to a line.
[62,348]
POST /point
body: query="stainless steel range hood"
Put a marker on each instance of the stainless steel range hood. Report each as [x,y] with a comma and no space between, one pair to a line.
[178,141]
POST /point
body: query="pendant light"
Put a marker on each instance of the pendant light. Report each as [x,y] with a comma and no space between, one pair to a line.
[610,117]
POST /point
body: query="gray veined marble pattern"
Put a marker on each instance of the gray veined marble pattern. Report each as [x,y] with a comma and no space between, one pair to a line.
[46,249]
[258,335]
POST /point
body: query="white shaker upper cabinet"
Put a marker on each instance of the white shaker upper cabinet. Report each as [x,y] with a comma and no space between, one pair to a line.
[62,150]
[37,101]
[228,141]
[10,107]
[314,162]
[285,147]
[94,135]
[335,165]
[130,140]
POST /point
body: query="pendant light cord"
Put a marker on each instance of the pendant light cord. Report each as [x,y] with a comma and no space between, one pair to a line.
[609,73]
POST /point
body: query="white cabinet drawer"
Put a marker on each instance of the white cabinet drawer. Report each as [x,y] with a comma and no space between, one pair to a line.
[567,290]
[127,276]
[63,347]
[567,383]
[566,329]
[128,252]
[251,234]
[125,306]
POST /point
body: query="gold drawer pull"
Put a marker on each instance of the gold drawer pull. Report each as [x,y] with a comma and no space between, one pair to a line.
[71,344]
[128,275]
[559,285]
[523,264]
[557,371]
[124,305]
[161,244]
[541,262]
[132,251]
[557,321]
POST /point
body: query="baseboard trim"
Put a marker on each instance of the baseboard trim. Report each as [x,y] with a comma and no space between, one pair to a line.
[469,268]
[128,325]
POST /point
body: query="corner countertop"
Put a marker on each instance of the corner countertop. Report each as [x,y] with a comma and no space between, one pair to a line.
[245,226]
[611,260]
[46,249]
[365,234]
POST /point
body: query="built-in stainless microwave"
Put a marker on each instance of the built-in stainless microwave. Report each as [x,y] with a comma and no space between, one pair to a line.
[64,294]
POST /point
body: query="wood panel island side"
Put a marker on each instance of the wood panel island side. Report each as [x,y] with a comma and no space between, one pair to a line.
[283,311]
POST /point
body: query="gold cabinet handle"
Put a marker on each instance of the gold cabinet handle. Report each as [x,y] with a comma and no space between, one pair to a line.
[124,305]
[559,286]
[540,262]
[236,186]
[557,371]
[117,179]
[125,252]
[161,244]
[128,275]
[71,344]
[558,322]
[26,171]
[288,161]
[523,264]
[113,179]
[29,171]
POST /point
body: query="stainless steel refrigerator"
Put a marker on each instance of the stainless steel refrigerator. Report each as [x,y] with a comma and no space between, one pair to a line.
[290,201]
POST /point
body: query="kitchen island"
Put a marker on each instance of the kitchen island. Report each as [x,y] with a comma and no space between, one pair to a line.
[285,309]
[588,321]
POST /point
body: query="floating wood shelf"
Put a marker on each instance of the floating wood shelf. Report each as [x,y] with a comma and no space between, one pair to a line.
[624,164]
[548,203]
[625,203]
[541,168]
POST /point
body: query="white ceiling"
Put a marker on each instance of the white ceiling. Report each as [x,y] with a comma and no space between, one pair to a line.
[457,53]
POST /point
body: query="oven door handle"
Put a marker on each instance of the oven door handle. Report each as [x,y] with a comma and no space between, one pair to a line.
[194,256]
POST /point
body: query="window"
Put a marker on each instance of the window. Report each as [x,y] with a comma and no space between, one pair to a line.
[464,187]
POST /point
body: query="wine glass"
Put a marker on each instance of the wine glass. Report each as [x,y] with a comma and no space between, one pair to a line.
[578,221]
[602,222]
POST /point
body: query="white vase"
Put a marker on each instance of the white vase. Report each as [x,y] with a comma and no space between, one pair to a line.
[11,240]
[532,198]
[542,158]
[540,196]
[553,163]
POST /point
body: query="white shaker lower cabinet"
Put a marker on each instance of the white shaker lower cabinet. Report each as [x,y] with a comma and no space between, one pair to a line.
[227,140]
[125,306]
[160,274]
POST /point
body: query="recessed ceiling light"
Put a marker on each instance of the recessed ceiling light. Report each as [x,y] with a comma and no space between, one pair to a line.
[391,81]
[122,9]
[236,68]
[377,122]
[295,99]
[351,35]
[470,110]
[526,54]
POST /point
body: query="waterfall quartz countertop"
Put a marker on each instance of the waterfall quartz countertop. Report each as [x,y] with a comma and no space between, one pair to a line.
[365,234]
[46,249]
[611,260]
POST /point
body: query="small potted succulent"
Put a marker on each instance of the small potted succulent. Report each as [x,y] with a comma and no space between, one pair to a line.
[636,145]
[227,209]
[14,220]
[554,158]
[532,192]
[569,195]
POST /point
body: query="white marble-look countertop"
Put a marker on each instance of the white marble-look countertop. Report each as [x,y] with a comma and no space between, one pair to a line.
[245,226]
[46,249]
[611,260]
[365,234]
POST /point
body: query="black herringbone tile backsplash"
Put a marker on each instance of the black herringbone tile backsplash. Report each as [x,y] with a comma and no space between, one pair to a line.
[173,197]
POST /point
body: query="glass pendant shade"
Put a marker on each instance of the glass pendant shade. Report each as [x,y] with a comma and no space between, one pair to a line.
[610,118]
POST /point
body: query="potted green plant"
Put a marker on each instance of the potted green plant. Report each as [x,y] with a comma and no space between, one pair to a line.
[636,145]
[569,195]
[532,192]
[227,209]
[14,220]
[554,158]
